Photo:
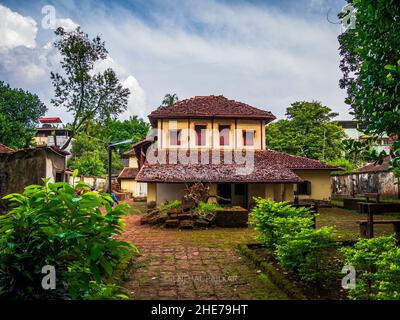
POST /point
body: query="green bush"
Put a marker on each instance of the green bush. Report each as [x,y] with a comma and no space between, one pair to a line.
[307,251]
[204,208]
[170,205]
[58,225]
[264,217]
[377,265]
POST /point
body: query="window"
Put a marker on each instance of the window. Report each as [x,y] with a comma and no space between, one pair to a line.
[175,137]
[200,134]
[304,188]
[248,137]
[224,135]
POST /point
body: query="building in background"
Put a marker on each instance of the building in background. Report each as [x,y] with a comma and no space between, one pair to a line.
[353,130]
[52,133]
[22,168]
[127,177]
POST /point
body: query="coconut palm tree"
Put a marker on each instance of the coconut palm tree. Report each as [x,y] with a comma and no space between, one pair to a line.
[169,100]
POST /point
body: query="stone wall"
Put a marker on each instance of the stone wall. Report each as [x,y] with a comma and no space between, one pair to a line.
[26,167]
[355,184]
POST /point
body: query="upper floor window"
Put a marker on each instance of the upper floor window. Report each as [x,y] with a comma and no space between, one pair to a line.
[248,137]
[224,135]
[175,137]
[200,134]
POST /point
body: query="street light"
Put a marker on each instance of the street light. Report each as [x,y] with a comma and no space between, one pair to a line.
[111,145]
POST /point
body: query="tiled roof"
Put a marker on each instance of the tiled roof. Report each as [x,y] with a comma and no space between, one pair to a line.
[269,167]
[128,173]
[209,107]
[5,149]
[372,167]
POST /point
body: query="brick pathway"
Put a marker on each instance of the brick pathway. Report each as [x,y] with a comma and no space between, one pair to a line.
[193,264]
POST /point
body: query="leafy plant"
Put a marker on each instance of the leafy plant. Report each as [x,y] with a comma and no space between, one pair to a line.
[170,205]
[370,63]
[59,225]
[377,263]
[264,217]
[308,252]
[204,208]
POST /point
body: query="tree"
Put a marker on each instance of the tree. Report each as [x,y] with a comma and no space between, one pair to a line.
[116,130]
[169,100]
[308,131]
[86,94]
[19,111]
[90,156]
[370,63]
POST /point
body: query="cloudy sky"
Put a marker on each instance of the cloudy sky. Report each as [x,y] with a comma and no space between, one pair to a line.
[266,53]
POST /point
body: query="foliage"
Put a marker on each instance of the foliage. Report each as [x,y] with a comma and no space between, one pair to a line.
[57,224]
[344,163]
[86,94]
[377,263]
[115,130]
[19,111]
[370,63]
[307,251]
[90,156]
[170,205]
[265,213]
[297,245]
[307,132]
[204,208]
[169,100]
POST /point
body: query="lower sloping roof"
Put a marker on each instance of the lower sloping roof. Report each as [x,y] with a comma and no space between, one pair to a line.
[375,167]
[5,149]
[269,167]
[128,173]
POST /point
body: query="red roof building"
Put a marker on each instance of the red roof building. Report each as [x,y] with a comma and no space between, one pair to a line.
[221,142]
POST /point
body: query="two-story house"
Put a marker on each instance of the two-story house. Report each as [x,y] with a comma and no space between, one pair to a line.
[222,143]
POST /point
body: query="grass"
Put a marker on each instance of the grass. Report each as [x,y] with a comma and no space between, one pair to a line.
[346,222]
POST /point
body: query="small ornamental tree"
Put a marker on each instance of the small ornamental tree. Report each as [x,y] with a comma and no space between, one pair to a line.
[61,226]
[377,263]
[267,211]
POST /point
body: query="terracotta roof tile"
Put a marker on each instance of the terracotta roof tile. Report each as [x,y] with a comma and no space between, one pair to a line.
[208,107]
[128,173]
[269,166]
[5,149]
[372,167]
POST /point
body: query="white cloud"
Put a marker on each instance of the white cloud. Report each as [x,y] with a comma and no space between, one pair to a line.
[67,24]
[137,99]
[16,30]
[260,55]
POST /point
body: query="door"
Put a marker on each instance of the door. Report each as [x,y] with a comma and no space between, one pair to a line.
[224,190]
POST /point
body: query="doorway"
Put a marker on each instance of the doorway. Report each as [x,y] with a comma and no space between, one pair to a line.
[224,190]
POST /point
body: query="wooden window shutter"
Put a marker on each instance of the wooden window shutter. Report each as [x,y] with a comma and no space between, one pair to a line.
[308,187]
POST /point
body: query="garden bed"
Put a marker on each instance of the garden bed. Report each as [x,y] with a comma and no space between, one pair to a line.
[289,281]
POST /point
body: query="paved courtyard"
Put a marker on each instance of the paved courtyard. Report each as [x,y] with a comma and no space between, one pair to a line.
[193,264]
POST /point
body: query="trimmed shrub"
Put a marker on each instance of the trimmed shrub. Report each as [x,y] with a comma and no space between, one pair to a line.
[62,226]
[308,251]
[264,217]
[377,265]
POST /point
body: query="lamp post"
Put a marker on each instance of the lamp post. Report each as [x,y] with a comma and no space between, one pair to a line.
[110,147]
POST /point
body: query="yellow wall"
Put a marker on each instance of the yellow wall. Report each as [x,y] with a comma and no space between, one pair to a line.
[133,163]
[320,183]
[188,135]
[151,192]
[130,185]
